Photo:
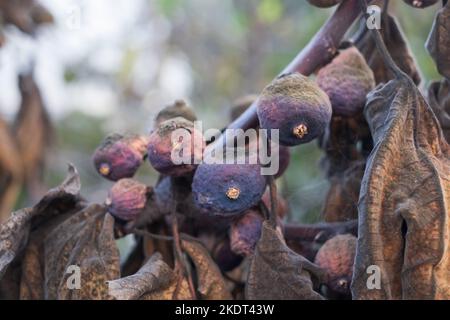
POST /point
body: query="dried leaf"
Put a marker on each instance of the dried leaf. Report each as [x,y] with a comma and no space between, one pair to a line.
[404,200]
[10,172]
[278,273]
[154,275]
[438,42]
[397,46]
[211,284]
[85,240]
[439,100]
[33,131]
[178,289]
[15,231]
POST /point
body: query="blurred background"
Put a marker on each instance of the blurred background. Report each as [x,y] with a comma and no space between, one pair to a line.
[109,66]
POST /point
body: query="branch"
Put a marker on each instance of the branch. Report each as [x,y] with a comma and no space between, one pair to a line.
[318,52]
[319,232]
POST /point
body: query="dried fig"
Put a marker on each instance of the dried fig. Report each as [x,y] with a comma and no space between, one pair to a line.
[296,106]
[245,232]
[346,81]
[120,156]
[175,147]
[228,189]
[336,257]
[178,109]
[127,199]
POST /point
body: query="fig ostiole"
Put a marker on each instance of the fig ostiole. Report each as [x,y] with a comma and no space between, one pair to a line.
[296,106]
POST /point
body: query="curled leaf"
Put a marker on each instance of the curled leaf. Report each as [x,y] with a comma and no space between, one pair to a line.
[438,42]
[86,241]
[211,284]
[278,273]
[33,131]
[397,46]
[404,200]
[153,275]
[14,233]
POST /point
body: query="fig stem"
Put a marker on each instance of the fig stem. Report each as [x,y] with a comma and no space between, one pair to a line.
[318,52]
[273,200]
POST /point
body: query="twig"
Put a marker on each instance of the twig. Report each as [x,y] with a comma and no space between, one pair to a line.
[273,200]
[319,232]
[319,51]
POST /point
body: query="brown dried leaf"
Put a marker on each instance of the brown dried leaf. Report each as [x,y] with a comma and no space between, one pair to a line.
[439,100]
[278,273]
[438,42]
[211,284]
[33,131]
[10,171]
[397,46]
[154,275]
[404,201]
[14,233]
[178,289]
[87,241]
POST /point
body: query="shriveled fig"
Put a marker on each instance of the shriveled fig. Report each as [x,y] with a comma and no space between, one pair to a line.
[228,189]
[346,81]
[120,156]
[296,106]
[324,3]
[226,259]
[420,3]
[336,257]
[178,109]
[127,199]
[245,232]
[175,147]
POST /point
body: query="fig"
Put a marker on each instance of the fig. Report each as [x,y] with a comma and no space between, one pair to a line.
[227,189]
[336,257]
[120,156]
[245,232]
[420,3]
[166,142]
[127,199]
[296,106]
[178,109]
[324,3]
[225,258]
[241,104]
[347,80]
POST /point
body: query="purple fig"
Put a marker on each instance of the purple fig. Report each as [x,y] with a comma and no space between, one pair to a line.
[127,199]
[120,156]
[166,142]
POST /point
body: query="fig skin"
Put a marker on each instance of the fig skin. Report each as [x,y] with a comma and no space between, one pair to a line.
[420,3]
[245,232]
[160,147]
[127,199]
[225,258]
[296,106]
[120,156]
[227,189]
[336,257]
[178,109]
[324,3]
[347,80]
